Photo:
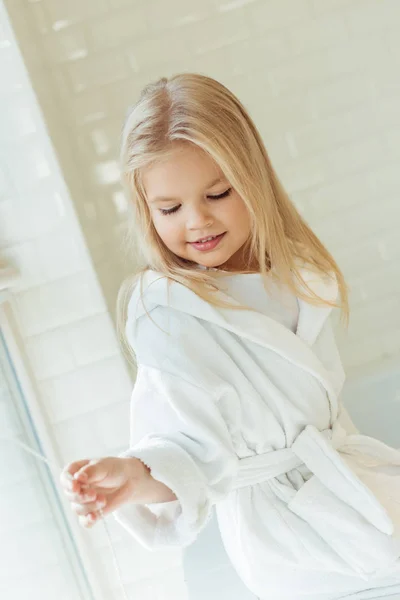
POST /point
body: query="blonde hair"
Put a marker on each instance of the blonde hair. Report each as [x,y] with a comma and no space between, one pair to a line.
[195,109]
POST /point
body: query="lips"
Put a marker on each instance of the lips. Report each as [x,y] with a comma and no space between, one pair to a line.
[207,239]
[208,243]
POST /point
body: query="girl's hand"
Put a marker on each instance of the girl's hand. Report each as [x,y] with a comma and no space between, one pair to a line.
[103,484]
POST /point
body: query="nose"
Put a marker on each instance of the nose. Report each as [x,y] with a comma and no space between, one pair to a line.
[199,217]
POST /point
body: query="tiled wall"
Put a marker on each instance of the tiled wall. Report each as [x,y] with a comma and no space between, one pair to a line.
[78,373]
[321,79]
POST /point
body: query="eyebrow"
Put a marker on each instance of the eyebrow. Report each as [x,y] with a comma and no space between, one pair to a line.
[166,199]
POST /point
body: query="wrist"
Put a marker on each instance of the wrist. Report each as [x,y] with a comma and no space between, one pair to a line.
[143,488]
[138,474]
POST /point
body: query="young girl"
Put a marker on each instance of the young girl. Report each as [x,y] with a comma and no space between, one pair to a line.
[237,397]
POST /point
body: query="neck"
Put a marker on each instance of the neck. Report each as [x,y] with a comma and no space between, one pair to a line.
[240,263]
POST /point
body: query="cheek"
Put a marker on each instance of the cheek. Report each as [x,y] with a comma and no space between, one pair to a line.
[237,215]
[166,229]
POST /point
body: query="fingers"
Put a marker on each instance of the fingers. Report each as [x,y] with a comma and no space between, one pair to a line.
[94,512]
[69,473]
[114,501]
[81,496]
[92,472]
[82,483]
[89,520]
[88,507]
[89,513]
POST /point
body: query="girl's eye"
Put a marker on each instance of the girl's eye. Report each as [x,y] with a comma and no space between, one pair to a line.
[169,211]
[223,195]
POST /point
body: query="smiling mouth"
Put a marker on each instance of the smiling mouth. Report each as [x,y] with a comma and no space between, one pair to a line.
[207,239]
[208,243]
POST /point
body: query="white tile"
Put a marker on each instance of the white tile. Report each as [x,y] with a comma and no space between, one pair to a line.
[60,255]
[341,195]
[300,73]
[57,11]
[329,5]
[392,139]
[78,438]
[367,54]
[44,212]
[359,353]
[356,157]
[117,28]
[222,30]
[340,128]
[50,354]
[390,342]
[371,15]
[92,339]
[362,221]
[318,33]
[151,52]
[58,303]
[358,257]
[52,256]
[24,549]
[94,71]
[178,14]
[6,189]
[19,121]
[17,469]
[265,16]
[22,256]
[386,114]
[14,78]
[88,107]
[65,45]
[302,173]
[24,503]
[336,96]
[10,424]
[287,112]
[95,433]
[97,385]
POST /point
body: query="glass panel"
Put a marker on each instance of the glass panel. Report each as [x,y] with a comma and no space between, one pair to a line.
[38,555]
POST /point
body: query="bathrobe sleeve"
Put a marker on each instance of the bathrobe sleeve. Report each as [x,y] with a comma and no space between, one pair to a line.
[177,430]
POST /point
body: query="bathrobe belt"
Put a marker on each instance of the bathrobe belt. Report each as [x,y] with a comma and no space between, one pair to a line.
[333,494]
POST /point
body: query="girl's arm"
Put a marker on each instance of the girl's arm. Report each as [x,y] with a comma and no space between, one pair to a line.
[108,483]
[150,491]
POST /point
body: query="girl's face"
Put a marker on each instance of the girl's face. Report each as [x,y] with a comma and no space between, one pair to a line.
[195,211]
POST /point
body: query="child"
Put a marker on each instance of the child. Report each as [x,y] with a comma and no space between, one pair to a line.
[237,397]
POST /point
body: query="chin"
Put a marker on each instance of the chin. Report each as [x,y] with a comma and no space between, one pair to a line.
[213,264]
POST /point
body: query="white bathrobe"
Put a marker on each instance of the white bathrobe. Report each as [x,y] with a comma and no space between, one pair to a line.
[232,408]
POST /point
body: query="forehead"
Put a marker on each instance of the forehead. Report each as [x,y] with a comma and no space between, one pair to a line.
[184,170]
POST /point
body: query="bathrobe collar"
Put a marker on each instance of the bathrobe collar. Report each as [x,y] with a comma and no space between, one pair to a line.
[252,325]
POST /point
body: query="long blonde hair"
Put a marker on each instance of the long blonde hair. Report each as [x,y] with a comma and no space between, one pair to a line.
[192,108]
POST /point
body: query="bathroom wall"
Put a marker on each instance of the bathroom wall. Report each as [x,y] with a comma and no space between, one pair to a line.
[321,79]
[67,344]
